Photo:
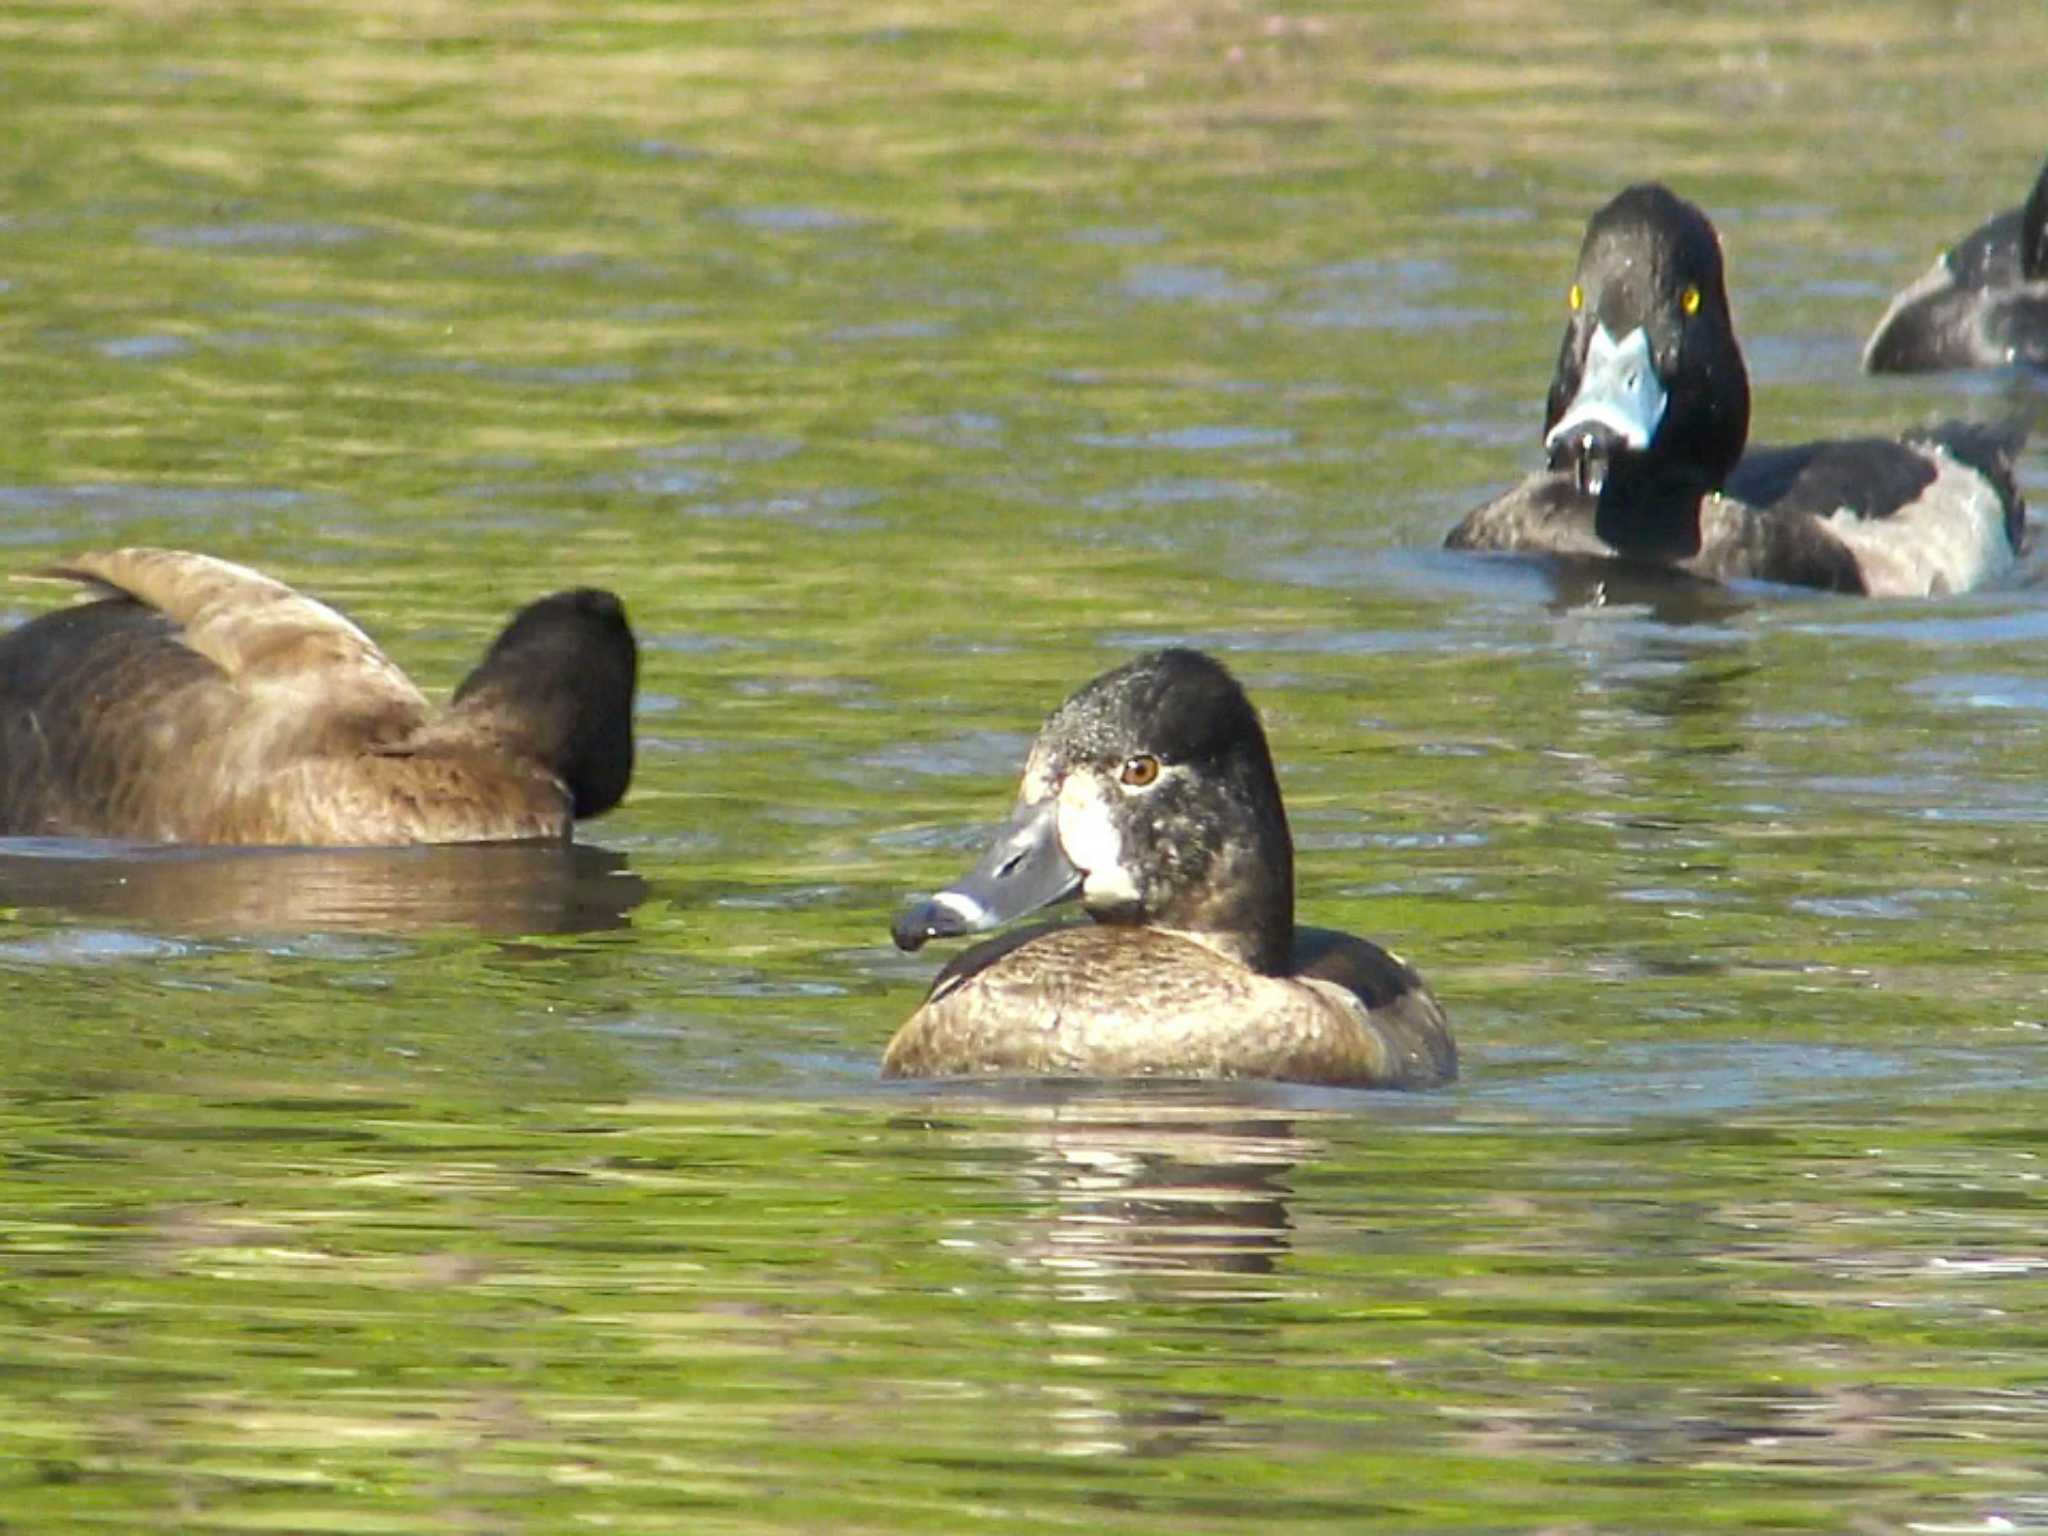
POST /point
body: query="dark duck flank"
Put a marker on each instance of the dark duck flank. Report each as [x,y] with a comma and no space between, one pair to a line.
[1646,428]
[195,701]
[1150,795]
[1983,304]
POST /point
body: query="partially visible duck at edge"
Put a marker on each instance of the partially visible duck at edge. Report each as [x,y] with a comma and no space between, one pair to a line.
[197,701]
[1151,795]
[1983,304]
[1648,418]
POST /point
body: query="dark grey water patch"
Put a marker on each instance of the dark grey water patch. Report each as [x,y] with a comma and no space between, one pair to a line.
[792,898]
[144,349]
[966,428]
[1179,285]
[1675,896]
[256,234]
[1788,722]
[1399,842]
[1416,885]
[994,755]
[780,988]
[1196,439]
[684,642]
[664,149]
[840,688]
[652,482]
[1411,273]
[256,341]
[827,511]
[668,843]
[950,838]
[1800,357]
[103,504]
[1372,314]
[894,330]
[1498,431]
[788,218]
[1686,1080]
[520,373]
[1117,235]
[329,309]
[1950,623]
[1313,642]
[1169,491]
[347,948]
[1979,690]
[1891,908]
[90,946]
[560,261]
[1500,214]
[747,449]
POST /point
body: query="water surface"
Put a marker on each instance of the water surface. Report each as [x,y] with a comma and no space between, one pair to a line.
[902,372]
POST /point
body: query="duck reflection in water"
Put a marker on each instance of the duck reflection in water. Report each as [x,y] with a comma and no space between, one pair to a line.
[1107,1201]
[502,888]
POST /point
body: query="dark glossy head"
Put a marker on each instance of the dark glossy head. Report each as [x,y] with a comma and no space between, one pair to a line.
[1649,408]
[2034,230]
[1151,794]
[561,676]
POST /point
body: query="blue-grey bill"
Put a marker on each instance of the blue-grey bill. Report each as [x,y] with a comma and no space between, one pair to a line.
[1023,870]
[1619,399]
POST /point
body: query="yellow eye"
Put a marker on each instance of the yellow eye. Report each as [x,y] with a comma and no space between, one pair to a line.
[1689,301]
[1140,770]
[1576,298]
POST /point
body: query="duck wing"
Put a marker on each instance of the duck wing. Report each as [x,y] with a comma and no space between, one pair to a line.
[194,685]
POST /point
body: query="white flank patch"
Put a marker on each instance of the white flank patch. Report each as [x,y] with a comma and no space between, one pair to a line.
[1950,539]
[1090,839]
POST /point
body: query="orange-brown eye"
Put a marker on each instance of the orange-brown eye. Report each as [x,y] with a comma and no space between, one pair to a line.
[1576,298]
[1140,771]
[1689,301]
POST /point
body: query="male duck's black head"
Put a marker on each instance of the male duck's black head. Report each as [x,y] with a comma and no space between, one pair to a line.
[1983,304]
[559,679]
[1649,408]
[1151,794]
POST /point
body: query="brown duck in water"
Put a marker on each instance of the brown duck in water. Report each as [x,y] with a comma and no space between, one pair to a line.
[1151,795]
[197,701]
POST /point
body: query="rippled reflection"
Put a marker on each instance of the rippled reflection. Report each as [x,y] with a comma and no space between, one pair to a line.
[1137,1184]
[492,887]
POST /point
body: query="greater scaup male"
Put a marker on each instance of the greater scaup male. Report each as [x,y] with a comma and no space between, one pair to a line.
[1151,794]
[1982,305]
[1645,428]
[196,701]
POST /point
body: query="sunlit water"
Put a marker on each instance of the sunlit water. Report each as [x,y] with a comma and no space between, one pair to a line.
[903,370]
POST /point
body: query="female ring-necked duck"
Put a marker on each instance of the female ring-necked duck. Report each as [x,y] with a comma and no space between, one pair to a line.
[195,701]
[1151,794]
[1645,429]
[1982,305]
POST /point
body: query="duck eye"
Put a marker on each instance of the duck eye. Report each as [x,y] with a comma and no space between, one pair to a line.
[1139,771]
[1576,298]
[1689,301]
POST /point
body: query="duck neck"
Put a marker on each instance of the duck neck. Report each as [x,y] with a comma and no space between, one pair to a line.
[1245,915]
[1649,511]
